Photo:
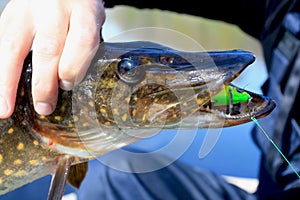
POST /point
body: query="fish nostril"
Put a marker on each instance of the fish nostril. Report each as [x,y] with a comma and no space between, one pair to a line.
[166,59]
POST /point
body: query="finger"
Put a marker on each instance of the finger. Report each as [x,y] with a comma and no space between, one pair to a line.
[47,48]
[81,43]
[16,37]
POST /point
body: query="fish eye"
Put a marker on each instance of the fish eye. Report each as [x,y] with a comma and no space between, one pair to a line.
[127,66]
[129,71]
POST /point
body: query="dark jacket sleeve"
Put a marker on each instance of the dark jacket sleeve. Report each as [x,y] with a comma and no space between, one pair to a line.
[254,17]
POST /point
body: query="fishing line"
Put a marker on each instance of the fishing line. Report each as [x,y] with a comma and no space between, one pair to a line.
[274,144]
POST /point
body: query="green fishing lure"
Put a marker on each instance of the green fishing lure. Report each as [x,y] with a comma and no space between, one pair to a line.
[229,96]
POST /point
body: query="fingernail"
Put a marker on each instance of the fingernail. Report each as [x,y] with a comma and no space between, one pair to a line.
[43,108]
[3,107]
[66,85]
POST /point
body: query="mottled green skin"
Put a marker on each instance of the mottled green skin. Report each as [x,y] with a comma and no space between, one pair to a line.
[107,105]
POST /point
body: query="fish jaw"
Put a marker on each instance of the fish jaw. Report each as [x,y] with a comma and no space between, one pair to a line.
[220,116]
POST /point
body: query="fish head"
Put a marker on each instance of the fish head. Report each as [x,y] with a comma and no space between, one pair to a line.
[134,90]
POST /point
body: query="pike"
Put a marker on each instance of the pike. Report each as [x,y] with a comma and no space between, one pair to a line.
[129,89]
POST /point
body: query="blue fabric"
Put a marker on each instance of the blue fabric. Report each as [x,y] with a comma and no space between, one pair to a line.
[174,181]
[37,190]
[292,22]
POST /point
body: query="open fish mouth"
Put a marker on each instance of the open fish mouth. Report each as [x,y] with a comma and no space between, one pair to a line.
[232,114]
[197,111]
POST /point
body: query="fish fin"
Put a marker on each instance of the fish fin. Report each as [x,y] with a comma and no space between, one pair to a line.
[77,174]
[58,182]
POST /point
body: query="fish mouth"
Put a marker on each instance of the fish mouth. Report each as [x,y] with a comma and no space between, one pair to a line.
[257,106]
[194,109]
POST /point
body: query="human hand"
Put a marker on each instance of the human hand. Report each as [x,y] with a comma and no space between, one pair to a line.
[64,36]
